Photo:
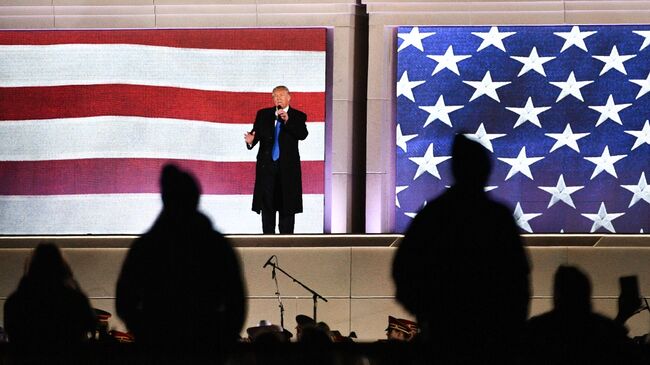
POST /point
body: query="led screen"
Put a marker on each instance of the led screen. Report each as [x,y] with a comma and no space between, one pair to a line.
[88,118]
[563,111]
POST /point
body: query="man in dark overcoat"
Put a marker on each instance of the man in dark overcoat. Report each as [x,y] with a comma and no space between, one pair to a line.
[278,178]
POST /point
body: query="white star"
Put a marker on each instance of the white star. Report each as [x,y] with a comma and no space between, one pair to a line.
[532,62]
[520,164]
[413,214]
[449,60]
[561,192]
[402,139]
[399,189]
[609,111]
[640,190]
[493,38]
[428,163]
[486,87]
[642,136]
[574,38]
[645,86]
[645,34]
[567,138]
[405,87]
[413,38]
[484,138]
[614,61]
[529,113]
[522,218]
[486,188]
[602,219]
[604,163]
[439,111]
[570,87]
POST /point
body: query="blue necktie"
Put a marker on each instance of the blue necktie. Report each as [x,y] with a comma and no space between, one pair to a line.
[276,144]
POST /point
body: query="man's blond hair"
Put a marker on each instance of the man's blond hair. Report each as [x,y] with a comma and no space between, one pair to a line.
[281,87]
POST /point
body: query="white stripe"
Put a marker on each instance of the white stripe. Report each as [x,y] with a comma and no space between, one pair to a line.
[225,70]
[134,214]
[137,137]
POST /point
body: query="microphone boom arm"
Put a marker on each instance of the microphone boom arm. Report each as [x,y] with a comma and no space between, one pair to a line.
[315,295]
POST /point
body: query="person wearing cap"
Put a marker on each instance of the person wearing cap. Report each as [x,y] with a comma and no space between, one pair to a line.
[265,329]
[398,329]
[101,330]
[302,322]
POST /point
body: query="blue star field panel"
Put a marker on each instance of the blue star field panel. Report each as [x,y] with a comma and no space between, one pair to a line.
[563,110]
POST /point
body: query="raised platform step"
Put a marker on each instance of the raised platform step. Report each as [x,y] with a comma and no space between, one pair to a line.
[330,240]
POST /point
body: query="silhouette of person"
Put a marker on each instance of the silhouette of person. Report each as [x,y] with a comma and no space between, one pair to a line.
[278,178]
[461,268]
[48,310]
[572,333]
[303,322]
[180,284]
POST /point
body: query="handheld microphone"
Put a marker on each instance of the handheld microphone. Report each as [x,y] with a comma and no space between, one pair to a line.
[277,112]
[268,262]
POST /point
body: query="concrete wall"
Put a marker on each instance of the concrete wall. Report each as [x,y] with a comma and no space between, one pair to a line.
[355,280]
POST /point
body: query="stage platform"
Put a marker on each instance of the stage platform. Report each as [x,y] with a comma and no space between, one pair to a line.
[329,240]
[352,271]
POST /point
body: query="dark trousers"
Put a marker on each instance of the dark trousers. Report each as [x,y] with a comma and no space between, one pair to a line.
[286,223]
[272,203]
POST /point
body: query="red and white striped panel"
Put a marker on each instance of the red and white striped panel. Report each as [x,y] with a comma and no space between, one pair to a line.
[88,118]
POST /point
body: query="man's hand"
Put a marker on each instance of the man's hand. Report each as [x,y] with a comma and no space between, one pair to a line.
[249,137]
[283,115]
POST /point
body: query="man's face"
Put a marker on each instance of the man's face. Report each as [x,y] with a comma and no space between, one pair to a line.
[394,335]
[281,98]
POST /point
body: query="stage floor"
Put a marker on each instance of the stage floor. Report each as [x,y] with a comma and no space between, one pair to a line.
[329,240]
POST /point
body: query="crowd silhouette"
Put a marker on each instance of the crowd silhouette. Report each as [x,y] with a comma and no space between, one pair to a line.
[184,271]
[460,247]
[571,333]
[461,270]
[48,312]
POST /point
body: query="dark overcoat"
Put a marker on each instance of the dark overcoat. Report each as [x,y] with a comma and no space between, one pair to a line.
[291,132]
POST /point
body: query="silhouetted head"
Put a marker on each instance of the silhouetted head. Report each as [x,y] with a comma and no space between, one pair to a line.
[314,336]
[47,264]
[180,191]
[470,162]
[571,290]
[302,322]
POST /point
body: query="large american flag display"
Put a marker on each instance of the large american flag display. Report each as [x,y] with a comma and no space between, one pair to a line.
[563,110]
[88,118]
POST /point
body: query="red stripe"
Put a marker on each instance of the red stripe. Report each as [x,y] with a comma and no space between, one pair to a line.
[265,39]
[147,101]
[119,176]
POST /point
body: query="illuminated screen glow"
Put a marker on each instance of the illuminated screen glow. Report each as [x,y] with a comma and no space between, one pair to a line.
[563,110]
[88,118]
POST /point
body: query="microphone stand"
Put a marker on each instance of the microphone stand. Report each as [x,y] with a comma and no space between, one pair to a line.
[315,295]
[277,292]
